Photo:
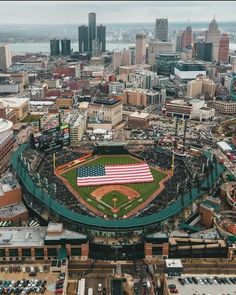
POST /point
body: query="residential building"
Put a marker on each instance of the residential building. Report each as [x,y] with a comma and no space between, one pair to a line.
[20,77]
[140,48]
[54,47]
[161,29]
[5,57]
[201,85]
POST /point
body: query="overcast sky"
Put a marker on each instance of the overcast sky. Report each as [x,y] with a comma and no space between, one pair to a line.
[28,12]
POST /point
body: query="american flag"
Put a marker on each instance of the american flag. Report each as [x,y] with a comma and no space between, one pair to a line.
[114,174]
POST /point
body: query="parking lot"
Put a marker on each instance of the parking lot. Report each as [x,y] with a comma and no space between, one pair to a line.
[203,285]
[19,282]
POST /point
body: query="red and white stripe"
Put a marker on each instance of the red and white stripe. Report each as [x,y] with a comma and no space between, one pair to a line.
[118,174]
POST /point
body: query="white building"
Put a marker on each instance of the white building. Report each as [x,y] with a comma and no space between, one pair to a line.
[5,57]
[10,87]
[195,109]
[116,87]
[143,78]
[77,121]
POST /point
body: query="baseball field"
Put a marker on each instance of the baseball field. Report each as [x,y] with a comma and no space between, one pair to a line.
[114,200]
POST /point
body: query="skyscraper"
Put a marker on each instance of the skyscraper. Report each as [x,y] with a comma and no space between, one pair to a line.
[140,48]
[65,47]
[92,31]
[5,57]
[224,48]
[101,35]
[213,36]
[203,51]
[186,41]
[54,47]
[161,29]
[83,38]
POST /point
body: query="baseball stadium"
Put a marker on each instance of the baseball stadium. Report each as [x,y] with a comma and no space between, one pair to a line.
[147,189]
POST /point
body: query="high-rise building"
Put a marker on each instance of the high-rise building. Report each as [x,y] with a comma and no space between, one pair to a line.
[65,47]
[126,57]
[155,46]
[101,36]
[203,51]
[178,41]
[116,59]
[224,48]
[213,36]
[140,48]
[92,30]
[54,47]
[83,38]
[165,63]
[161,29]
[96,48]
[5,57]
[187,37]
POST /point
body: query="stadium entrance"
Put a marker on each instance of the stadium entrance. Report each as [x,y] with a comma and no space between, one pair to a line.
[116,252]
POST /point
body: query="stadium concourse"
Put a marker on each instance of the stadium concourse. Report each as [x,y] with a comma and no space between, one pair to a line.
[49,198]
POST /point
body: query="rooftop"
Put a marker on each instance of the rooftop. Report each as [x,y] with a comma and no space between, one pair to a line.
[140,115]
[22,236]
[8,182]
[105,101]
[5,125]
[12,211]
[14,102]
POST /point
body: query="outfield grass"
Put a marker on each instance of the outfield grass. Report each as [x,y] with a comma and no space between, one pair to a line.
[144,189]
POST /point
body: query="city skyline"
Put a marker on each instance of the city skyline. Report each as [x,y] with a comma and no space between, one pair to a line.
[34,12]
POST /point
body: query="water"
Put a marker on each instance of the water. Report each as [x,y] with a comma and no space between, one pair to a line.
[21,48]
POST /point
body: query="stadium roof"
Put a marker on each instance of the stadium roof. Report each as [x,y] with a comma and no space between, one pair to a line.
[141,222]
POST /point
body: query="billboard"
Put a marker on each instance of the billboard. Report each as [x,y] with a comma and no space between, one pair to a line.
[53,139]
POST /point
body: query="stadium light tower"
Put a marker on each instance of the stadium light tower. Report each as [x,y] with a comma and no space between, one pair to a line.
[173,163]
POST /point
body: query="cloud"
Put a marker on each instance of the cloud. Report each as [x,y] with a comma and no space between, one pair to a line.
[26,12]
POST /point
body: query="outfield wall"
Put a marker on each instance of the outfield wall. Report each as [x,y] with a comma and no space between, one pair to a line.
[111,225]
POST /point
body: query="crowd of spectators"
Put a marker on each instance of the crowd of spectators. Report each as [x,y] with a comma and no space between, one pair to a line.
[182,181]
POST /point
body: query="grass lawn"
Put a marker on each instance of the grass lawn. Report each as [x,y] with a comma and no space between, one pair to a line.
[121,199]
[145,189]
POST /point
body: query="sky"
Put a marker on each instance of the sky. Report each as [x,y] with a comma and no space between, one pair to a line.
[70,12]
